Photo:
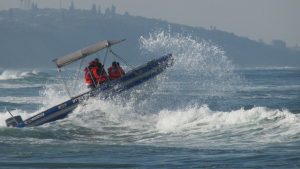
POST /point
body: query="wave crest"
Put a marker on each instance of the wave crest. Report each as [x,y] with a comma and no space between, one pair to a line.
[204,119]
[16,74]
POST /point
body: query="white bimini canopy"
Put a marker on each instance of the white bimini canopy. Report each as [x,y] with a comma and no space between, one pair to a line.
[70,58]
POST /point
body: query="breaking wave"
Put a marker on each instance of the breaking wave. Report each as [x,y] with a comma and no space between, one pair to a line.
[192,126]
[16,74]
[271,68]
[20,100]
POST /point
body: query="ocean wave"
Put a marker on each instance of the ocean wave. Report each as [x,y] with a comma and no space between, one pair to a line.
[270,96]
[271,87]
[189,126]
[18,86]
[16,74]
[270,68]
[130,121]
[204,119]
[22,100]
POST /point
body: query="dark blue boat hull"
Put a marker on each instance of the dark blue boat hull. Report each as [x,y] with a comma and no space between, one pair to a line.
[131,79]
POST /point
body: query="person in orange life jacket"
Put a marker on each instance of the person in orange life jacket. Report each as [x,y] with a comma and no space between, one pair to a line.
[94,74]
[88,75]
[115,71]
[99,72]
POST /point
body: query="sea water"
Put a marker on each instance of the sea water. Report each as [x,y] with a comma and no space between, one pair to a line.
[203,112]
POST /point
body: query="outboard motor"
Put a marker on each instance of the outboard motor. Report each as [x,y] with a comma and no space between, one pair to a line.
[14,121]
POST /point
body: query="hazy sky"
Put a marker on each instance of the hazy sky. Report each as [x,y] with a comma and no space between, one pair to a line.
[256,19]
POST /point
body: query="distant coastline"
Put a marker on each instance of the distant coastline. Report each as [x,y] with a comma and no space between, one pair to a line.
[36,36]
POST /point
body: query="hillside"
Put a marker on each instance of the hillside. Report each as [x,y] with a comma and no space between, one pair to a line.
[35,37]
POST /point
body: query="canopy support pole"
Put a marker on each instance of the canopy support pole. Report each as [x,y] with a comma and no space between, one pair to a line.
[77,74]
[65,84]
[90,73]
[123,60]
[104,60]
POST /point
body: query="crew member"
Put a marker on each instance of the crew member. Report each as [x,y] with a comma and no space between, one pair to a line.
[99,72]
[88,76]
[95,74]
[115,71]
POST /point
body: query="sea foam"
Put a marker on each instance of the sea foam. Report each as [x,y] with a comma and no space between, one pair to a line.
[16,74]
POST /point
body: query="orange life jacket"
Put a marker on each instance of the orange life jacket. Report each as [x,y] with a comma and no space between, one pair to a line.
[115,72]
[99,78]
[87,76]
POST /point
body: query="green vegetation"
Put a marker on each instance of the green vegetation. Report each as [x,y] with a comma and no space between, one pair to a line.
[33,38]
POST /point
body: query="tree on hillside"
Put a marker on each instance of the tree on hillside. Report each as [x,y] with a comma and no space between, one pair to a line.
[71,8]
[94,9]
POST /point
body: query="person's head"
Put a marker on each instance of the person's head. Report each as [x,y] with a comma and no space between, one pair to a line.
[95,62]
[114,64]
[92,63]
